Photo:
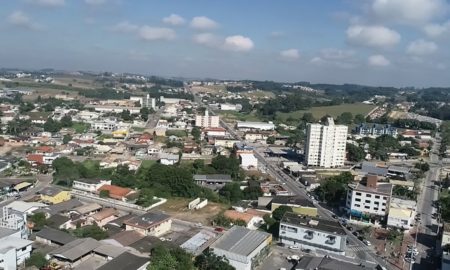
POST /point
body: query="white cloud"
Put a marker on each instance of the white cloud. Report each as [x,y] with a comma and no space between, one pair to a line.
[336,54]
[48,3]
[20,19]
[435,30]
[238,43]
[150,33]
[207,39]
[409,11]
[372,36]
[95,2]
[174,19]
[203,23]
[378,60]
[125,27]
[290,54]
[421,47]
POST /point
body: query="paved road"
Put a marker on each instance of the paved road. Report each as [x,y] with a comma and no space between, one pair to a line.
[42,182]
[297,188]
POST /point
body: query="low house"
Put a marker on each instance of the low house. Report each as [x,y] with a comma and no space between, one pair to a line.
[168,159]
[126,261]
[214,181]
[73,253]
[104,216]
[61,208]
[87,209]
[53,237]
[53,195]
[25,207]
[150,224]
[401,213]
[252,220]
[89,185]
[245,249]
[116,192]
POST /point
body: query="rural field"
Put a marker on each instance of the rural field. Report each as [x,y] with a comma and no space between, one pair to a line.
[232,116]
[318,112]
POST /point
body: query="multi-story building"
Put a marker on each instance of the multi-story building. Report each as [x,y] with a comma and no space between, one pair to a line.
[369,199]
[376,130]
[207,121]
[401,213]
[106,125]
[247,126]
[150,224]
[325,144]
[312,233]
[89,185]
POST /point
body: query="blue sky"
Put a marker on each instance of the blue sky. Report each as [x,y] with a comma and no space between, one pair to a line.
[376,42]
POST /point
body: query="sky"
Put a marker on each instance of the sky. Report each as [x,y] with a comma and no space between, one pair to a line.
[374,42]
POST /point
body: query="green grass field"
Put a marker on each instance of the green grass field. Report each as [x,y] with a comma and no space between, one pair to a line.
[237,116]
[318,112]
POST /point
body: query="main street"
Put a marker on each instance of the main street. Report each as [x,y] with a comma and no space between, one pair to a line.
[363,253]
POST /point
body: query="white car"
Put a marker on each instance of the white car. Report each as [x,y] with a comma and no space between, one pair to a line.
[294,247]
[367,243]
[295,257]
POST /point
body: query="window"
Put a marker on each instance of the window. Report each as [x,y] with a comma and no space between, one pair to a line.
[377,196]
[357,205]
[368,195]
[383,209]
[358,193]
[367,207]
[385,198]
[367,201]
[357,200]
[376,202]
[375,208]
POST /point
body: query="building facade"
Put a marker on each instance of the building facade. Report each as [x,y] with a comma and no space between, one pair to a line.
[376,130]
[207,121]
[313,233]
[325,144]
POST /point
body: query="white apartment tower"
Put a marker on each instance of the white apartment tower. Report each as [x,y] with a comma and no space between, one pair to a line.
[207,121]
[325,144]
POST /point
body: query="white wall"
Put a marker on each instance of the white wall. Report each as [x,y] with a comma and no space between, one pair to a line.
[368,202]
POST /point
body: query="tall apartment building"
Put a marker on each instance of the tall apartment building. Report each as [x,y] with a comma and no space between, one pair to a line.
[325,144]
[207,121]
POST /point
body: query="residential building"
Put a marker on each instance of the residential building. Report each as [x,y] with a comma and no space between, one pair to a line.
[87,209]
[150,224]
[74,252]
[369,199]
[298,204]
[207,121]
[215,132]
[401,213]
[53,195]
[308,262]
[116,192]
[247,126]
[89,185]
[14,220]
[251,219]
[375,130]
[325,144]
[25,207]
[248,161]
[105,125]
[13,249]
[104,216]
[256,136]
[245,249]
[313,233]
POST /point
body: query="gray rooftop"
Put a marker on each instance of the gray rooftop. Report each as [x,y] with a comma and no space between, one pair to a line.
[62,207]
[87,208]
[240,240]
[329,226]
[125,261]
[382,188]
[147,220]
[109,250]
[50,191]
[213,177]
[76,249]
[4,232]
[55,236]
[327,263]
[294,200]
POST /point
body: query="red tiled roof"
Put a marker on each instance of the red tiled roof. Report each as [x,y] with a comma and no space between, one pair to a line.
[37,158]
[116,192]
[45,149]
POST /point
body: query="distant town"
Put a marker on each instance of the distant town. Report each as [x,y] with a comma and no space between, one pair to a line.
[126,171]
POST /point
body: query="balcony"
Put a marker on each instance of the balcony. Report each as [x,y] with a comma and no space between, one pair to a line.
[309,235]
[331,240]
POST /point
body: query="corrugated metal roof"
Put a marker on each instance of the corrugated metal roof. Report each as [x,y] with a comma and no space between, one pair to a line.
[22,185]
[240,240]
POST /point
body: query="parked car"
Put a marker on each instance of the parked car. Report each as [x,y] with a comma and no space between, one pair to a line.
[294,247]
[367,243]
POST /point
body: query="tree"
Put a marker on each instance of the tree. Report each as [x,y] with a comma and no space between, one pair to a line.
[104,194]
[355,153]
[39,220]
[67,138]
[170,259]
[146,197]
[93,231]
[359,119]
[126,115]
[36,259]
[278,213]
[123,176]
[144,113]
[65,171]
[66,121]
[270,140]
[227,165]
[210,261]
[196,133]
[52,125]
[346,118]
[334,189]
[26,107]
[308,118]
[423,166]
[232,192]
